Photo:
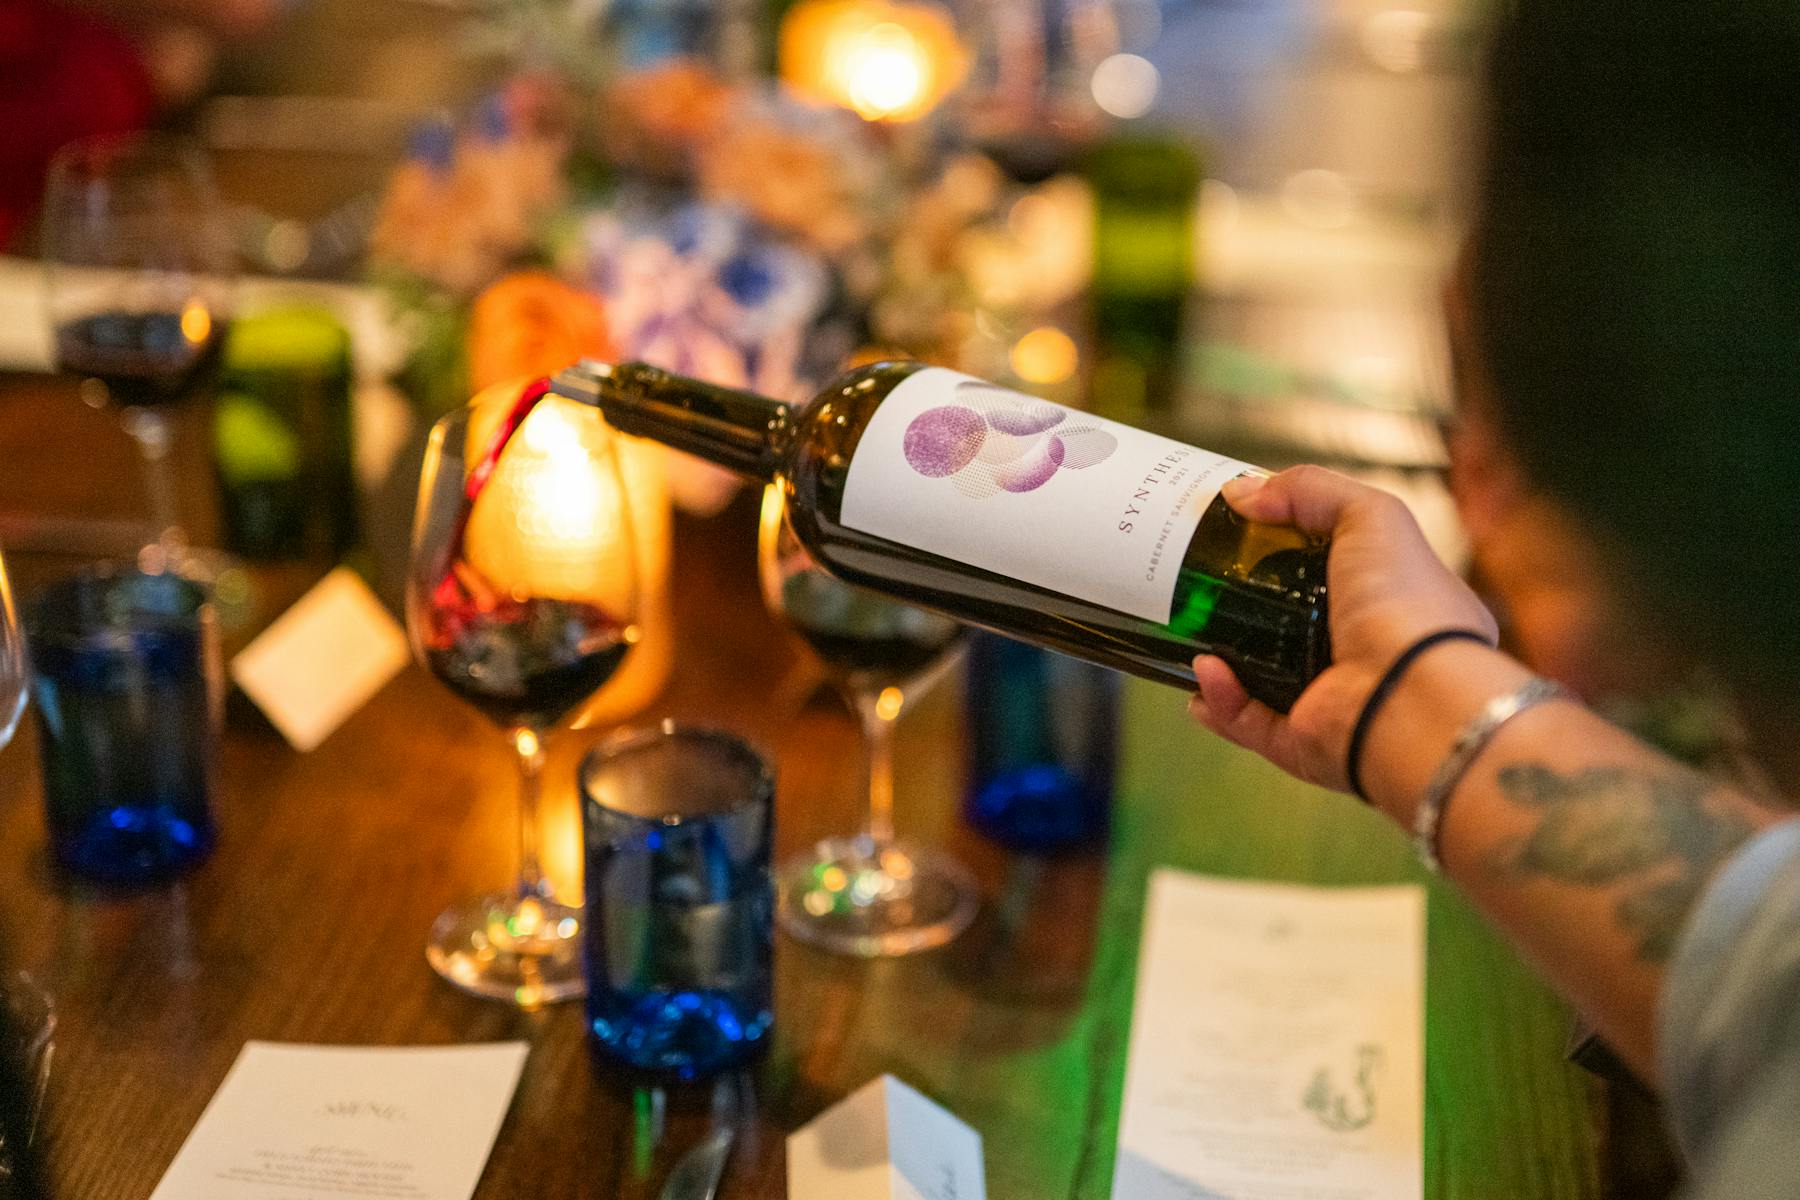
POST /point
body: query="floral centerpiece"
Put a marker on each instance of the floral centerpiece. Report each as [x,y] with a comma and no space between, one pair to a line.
[726,229]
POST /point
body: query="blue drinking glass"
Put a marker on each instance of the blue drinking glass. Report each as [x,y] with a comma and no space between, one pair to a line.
[678,928]
[125,676]
[1042,733]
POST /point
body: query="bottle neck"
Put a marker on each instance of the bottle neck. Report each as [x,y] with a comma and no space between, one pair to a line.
[740,431]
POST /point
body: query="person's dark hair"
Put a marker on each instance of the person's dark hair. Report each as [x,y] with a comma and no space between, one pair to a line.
[1636,291]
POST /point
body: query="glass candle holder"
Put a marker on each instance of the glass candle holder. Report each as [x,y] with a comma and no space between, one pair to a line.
[679,917]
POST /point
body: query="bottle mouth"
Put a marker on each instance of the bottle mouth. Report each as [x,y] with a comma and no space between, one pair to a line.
[584,383]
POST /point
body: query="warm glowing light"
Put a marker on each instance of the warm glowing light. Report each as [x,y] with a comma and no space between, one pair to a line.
[885,73]
[882,60]
[551,523]
[1320,198]
[1395,39]
[896,864]
[548,524]
[1126,85]
[1045,355]
[887,705]
[196,322]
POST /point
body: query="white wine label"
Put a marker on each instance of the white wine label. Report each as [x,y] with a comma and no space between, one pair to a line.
[1021,487]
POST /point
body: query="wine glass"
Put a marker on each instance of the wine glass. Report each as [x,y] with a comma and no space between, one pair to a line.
[870,894]
[28,1018]
[12,662]
[522,598]
[138,278]
[27,1041]
[1029,103]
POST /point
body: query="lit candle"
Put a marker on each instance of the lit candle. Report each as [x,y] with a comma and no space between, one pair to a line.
[884,61]
[546,526]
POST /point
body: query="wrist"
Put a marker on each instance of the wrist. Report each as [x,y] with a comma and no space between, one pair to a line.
[1442,692]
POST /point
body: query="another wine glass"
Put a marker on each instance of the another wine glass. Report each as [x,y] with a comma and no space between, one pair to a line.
[523,600]
[871,894]
[28,1017]
[138,278]
[13,666]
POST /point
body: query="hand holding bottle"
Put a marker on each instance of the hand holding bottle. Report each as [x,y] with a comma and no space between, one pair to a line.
[1388,589]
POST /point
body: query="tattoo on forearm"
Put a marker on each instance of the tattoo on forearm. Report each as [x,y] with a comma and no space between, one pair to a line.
[1655,834]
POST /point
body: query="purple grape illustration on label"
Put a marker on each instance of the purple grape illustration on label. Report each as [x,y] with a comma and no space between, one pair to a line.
[1000,442]
[942,441]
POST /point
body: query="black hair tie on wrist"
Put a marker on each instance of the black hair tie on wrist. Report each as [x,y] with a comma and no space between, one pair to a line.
[1359,733]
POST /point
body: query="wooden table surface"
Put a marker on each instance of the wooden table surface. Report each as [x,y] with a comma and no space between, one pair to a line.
[308,923]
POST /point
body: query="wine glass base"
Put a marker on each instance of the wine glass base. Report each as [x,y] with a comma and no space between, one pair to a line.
[499,947]
[875,900]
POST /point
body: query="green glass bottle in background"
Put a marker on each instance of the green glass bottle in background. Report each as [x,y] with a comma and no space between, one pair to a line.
[1145,191]
[282,437]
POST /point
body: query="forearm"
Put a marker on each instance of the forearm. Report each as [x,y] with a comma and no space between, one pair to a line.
[1587,848]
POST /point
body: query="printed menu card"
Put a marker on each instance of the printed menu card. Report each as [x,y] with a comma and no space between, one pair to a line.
[374,1123]
[1277,1044]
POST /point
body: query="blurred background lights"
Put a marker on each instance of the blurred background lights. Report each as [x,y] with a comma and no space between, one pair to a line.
[881,59]
[1320,198]
[886,73]
[1140,22]
[1126,85]
[1028,215]
[196,322]
[1395,39]
[1045,355]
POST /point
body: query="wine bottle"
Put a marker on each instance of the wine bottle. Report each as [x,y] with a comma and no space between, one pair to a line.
[282,437]
[1005,511]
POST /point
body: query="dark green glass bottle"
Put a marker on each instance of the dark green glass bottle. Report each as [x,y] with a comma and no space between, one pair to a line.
[282,442]
[1145,191]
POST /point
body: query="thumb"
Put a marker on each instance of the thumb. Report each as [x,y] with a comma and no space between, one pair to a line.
[1310,499]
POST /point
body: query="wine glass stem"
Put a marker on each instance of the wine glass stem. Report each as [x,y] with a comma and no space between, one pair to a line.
[878,710]
[150,430]
[530,749]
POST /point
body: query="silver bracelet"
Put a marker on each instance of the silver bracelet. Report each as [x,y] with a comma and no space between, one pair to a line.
[1471,741]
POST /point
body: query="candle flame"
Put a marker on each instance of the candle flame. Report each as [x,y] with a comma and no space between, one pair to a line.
[884,61]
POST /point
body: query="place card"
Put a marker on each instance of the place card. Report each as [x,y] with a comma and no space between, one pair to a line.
[322,659]
[389,1123]
[885,1142]
[1276,1044]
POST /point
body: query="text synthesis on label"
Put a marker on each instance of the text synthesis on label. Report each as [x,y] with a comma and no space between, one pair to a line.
[1151,479]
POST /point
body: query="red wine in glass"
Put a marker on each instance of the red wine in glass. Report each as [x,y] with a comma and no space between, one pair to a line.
[521,662]
[145,359]
[874,642]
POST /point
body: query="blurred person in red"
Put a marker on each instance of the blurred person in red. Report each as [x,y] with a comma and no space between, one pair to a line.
[72,70]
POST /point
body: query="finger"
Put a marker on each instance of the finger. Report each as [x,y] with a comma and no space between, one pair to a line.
[1221,691]
[1228,709]
[1221,697]
[1310,499]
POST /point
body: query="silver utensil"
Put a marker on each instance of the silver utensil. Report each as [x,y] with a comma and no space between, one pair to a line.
[696,1176]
